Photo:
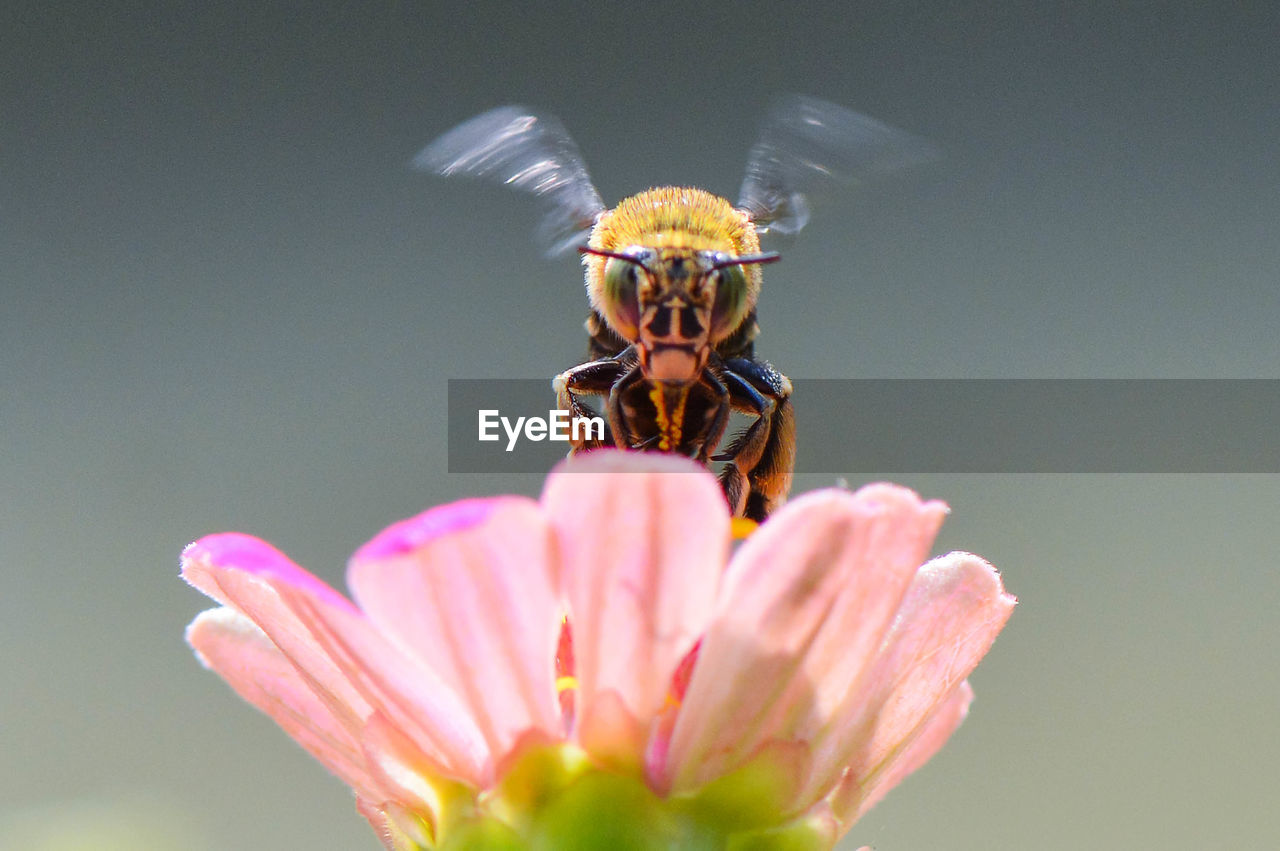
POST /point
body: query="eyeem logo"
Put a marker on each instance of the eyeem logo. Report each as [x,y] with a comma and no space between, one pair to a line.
[557,425]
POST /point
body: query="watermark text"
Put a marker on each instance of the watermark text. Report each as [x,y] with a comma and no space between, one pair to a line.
[557,425]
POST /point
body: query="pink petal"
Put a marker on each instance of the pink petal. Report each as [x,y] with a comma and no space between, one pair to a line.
[806,603]
[415,806]
[379,821]
[396,827]
[643,541]
[955,608]
[468,589]
[932,736]
[351,667]
[229,644]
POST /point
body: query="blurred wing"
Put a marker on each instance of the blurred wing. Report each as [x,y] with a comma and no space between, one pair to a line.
[805,142]
[531,152]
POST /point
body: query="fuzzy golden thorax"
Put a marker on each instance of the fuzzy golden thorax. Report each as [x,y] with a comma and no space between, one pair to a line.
[676,298]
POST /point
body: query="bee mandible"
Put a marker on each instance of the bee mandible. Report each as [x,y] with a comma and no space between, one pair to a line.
[673,275]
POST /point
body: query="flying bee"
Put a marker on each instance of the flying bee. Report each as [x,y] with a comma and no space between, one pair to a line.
[673,275]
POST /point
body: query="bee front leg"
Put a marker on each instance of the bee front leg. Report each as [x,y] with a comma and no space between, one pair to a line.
[719,421]
[747,447]
[595,378]
[621,408]
[762,458]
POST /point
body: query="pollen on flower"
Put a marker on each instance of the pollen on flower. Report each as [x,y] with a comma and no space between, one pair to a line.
[604,665]
[740,528]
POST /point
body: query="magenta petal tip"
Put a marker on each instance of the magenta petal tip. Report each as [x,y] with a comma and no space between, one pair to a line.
[414,532]
[235,551]
[242,552]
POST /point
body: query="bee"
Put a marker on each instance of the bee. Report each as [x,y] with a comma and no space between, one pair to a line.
[673,275]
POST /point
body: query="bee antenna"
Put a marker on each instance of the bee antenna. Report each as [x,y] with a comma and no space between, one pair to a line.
[749,260]
[616,255]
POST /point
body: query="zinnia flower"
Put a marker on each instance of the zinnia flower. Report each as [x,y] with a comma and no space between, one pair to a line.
[594,670]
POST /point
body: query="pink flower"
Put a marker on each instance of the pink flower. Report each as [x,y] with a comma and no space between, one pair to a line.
[510,665]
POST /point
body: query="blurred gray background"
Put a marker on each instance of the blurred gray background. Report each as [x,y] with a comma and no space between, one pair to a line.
[227,303]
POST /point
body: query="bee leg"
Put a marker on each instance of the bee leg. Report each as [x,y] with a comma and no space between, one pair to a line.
[744,452]
[718,423]
[595,378]
[762,458]
[620,423]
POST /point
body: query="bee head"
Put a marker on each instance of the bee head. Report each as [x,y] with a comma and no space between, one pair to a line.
[674,305]
[674,272]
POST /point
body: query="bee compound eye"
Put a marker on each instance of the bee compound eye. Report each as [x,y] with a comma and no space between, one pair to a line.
[621,301]
[730,305]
